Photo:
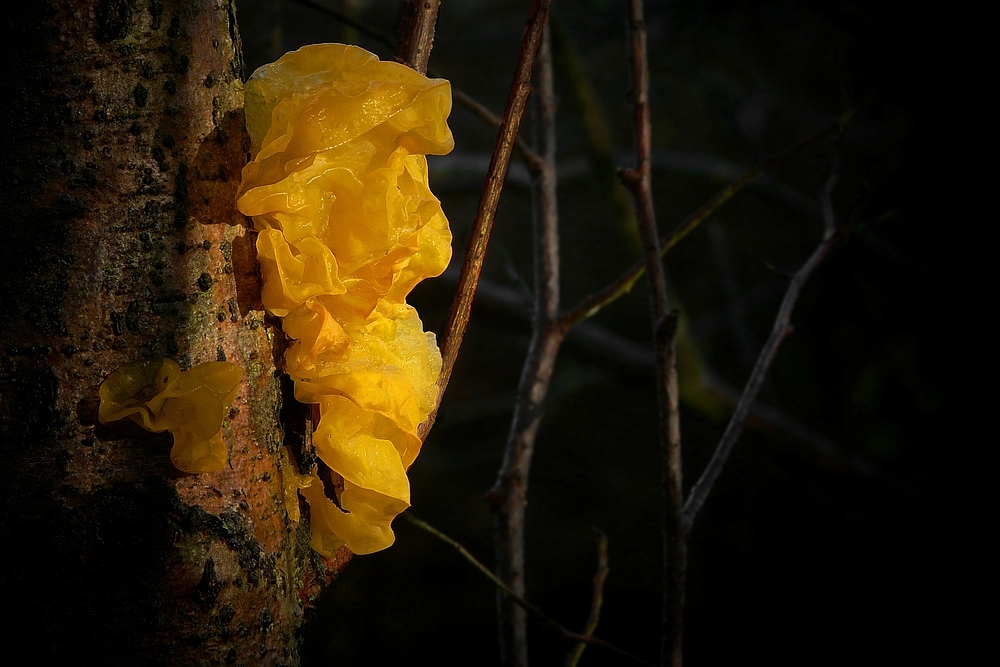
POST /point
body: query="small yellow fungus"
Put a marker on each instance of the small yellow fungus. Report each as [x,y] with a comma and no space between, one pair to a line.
[347,226]
[292,481]
[158,396]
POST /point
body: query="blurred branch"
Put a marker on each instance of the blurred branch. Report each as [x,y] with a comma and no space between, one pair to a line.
[596,601]
[600,144]
[276,42]
[508,496]
[701,388]
[742,334]
[416,33]
[582,169]
[624,283]
[639,180]
[700,491]
[719,169]
[519,600]
[530,157]
[348,20]
[458,318]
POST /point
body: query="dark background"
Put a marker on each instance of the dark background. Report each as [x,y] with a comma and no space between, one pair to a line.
[800,556]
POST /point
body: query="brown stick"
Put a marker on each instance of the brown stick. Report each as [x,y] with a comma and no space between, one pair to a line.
[530,157]
[475,254]
[639,181]
[348,20]
[624,283]
[597,600]
[416,33]
[508,496]
[780,329]
[519,600]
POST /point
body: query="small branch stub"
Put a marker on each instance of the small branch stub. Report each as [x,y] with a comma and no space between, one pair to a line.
[416,33]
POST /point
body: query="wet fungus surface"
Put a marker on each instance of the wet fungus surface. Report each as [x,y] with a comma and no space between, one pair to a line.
[347,226]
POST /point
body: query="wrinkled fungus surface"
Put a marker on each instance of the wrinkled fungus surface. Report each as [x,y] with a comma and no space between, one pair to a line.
[159,396]
[347,225]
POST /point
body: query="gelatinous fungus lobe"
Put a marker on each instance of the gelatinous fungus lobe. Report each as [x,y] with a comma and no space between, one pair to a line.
[347,226]
[159,396]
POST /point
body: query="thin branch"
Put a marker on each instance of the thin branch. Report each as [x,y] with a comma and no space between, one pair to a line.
[779,331]
[531,158]
[639,181]
[363,28]
[520,601]
[461,309]
[597,600]
[508,496]
[734,304]
[416,33]
[624,354]
[624,283]
[603,169]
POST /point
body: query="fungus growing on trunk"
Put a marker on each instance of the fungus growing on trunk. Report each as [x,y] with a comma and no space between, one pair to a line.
[158,396]
[347,225]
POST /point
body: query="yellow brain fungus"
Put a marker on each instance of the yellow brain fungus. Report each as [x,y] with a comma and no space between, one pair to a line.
[159,396]
[338,192]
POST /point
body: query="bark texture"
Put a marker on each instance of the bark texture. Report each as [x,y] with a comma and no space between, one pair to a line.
[122,149]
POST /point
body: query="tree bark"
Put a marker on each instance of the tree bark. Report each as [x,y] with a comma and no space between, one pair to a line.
[122,150]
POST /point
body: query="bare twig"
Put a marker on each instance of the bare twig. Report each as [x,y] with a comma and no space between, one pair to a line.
[624,354]
[416,33]
[624,283]
[531,158]
[596,601]
[600,143]
[348,20]
[519,600]
[508,496]
[639,181]
[742,334]
[778,333]
[461,309]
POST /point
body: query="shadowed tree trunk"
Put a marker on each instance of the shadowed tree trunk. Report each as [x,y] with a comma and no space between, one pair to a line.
[122,149]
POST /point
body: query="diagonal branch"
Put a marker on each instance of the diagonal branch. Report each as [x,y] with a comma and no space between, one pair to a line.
[475,254]
[779,331]
[532,609]
[346,19]
[596,602]
[597,131]
[592,304]
[705,389]
[530,157]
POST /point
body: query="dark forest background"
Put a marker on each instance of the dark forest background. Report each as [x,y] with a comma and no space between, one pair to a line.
[821,544]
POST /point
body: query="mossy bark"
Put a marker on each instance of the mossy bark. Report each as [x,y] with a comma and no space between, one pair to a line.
[122,149]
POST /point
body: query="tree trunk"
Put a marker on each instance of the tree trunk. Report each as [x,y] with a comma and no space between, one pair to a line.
[122,149]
